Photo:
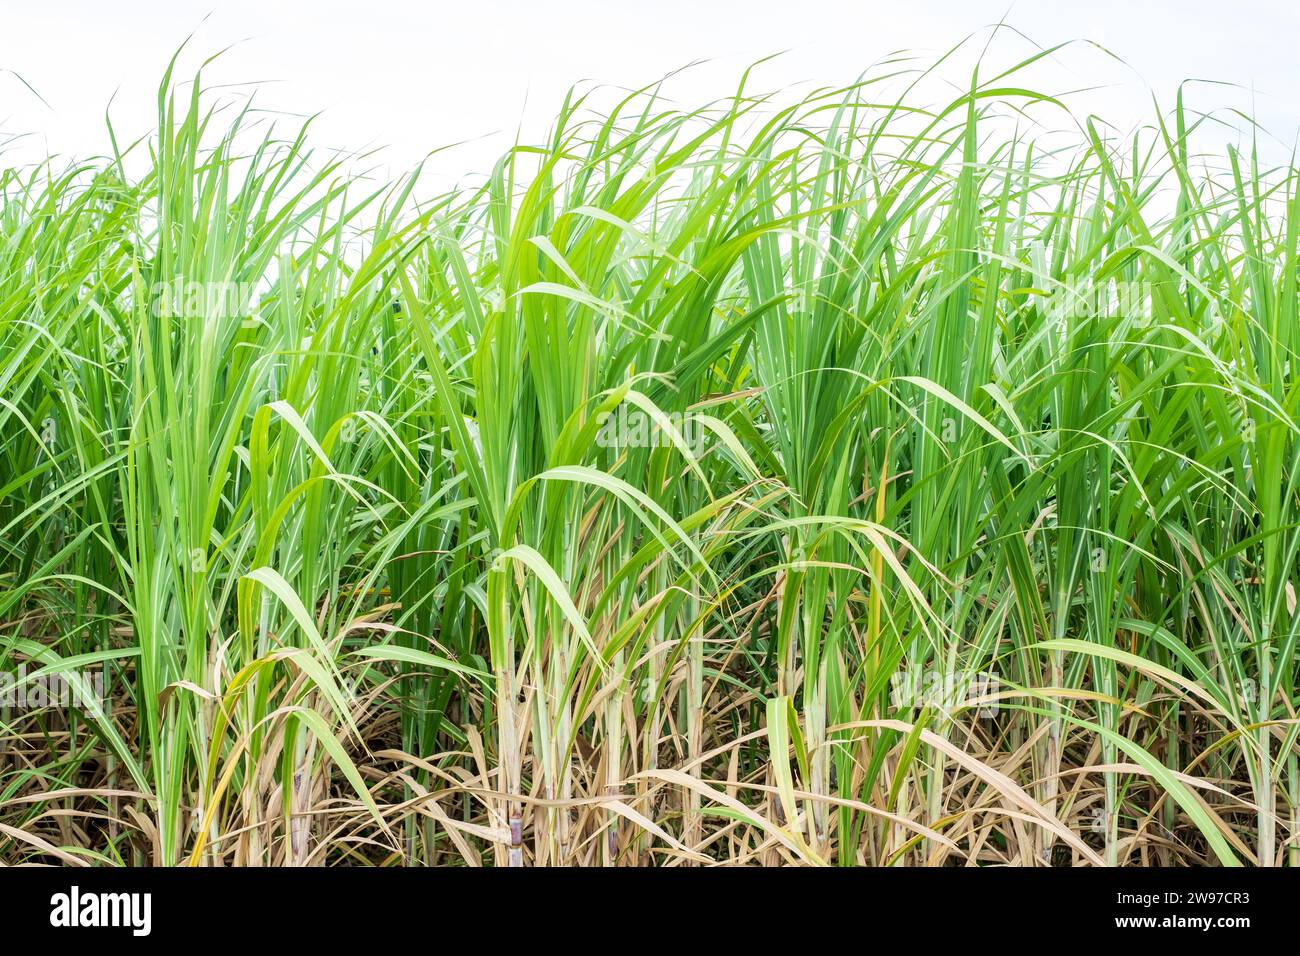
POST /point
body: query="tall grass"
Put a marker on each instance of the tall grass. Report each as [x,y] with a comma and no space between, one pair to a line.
[848,481]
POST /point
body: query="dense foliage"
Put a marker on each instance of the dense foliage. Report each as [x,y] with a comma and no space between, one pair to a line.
[848,481]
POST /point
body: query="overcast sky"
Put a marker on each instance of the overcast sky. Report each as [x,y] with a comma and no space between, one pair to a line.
[417,76]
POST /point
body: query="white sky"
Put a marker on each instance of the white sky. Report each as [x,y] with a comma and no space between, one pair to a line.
[417,76]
